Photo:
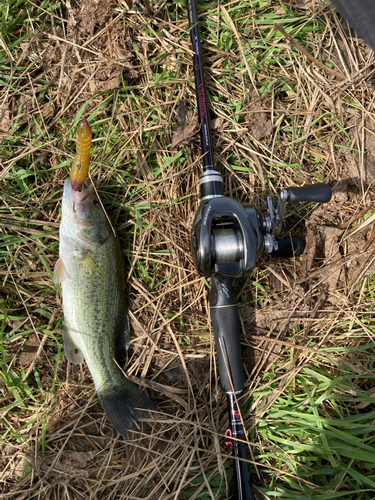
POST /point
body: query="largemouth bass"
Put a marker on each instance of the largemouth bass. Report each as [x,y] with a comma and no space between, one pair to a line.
[92,275]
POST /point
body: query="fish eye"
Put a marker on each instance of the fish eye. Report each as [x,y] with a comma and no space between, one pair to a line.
[96,203]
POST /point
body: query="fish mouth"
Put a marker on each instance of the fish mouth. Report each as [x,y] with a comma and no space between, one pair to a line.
[76,215]
[74,197]
[87,192]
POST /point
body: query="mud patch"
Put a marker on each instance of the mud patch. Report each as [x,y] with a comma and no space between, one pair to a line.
[70,467]
[13,462]
[341,253]
[187,127]
[90,53]
[4,119]
[288,310]
[259,124]
[29,351]
[358,167]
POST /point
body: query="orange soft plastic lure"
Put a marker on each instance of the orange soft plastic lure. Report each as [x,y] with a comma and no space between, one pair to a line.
[81,162]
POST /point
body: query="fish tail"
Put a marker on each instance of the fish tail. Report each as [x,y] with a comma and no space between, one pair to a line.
[124,404]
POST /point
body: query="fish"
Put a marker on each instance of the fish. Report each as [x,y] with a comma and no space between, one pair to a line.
[91,271]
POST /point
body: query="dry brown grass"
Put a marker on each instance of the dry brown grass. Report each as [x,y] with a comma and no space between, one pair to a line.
[107,64]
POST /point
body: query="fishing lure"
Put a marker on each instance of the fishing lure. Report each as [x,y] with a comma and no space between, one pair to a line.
[81,163]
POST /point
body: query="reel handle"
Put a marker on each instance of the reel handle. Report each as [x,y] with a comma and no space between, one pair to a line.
[319,193]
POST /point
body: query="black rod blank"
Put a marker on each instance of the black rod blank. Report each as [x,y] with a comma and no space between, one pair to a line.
[242,489]
[200,88]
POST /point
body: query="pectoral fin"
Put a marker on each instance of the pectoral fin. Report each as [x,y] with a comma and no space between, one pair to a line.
[124,338]
[59,273]
[72,352]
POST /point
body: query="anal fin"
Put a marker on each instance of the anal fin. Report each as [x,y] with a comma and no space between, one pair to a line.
[123,342]
[72,352]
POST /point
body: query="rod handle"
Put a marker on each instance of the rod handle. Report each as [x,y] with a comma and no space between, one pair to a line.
[225,323]
[319,193]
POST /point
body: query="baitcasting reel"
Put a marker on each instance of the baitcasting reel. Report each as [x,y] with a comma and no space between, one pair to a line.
[227,236]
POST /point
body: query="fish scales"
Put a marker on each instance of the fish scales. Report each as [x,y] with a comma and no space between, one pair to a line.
[103,312]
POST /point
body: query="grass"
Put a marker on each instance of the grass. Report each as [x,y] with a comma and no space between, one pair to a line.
[280,120]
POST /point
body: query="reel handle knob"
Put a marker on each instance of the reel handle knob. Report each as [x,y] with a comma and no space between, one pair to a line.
[289,247]
[319,193]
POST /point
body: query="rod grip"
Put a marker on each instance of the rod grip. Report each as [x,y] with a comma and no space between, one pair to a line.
[319,193]
[289,247]
[225,322]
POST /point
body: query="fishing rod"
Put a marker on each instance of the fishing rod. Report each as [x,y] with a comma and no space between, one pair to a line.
[226,239]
